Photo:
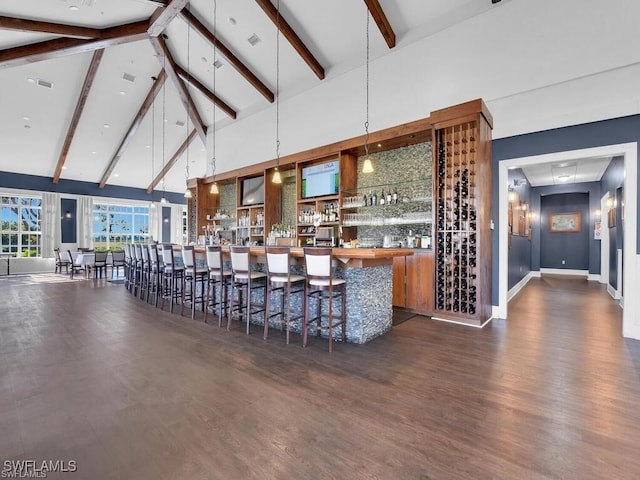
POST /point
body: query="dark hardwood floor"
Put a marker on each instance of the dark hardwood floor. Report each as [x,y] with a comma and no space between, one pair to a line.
[89,373]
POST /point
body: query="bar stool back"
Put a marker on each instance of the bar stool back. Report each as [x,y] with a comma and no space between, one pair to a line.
[322,285]
[127,265]
[156,273]
[145,273]
[281,281]
[172,277]
[194,276]
[243,278]
[217,276]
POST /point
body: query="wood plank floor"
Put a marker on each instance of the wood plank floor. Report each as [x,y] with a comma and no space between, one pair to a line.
[89,373]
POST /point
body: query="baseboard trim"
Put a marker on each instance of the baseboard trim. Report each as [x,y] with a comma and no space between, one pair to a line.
[594,277]
[615,294]
[564,271]
[465,324]
[519,286]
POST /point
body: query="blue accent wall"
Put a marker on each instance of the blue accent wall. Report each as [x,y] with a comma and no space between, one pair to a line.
[570,247]
[520,246]
[592,189]
[588,135]
[68,225]
[45,184]
[612,182]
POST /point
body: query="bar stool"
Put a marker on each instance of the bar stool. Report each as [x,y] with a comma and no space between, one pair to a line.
[321,285]
[137,269]
[281,280]
[155,278]
[194,276]
[172,277]
[145,273]
[243,278]
[218,276]
[127,265]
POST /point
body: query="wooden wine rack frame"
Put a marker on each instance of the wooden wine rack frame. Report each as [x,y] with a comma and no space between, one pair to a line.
[462,223]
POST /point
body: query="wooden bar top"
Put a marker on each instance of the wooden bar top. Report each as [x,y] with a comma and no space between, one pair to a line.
[349,257]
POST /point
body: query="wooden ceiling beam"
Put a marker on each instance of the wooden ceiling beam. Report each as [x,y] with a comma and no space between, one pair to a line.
[133,128]
[169,65]
[163,16]
[71,31]
[60,47]
[242,69]
[381,20]
[82,99]
[190,79]
[176,156]
[293,38]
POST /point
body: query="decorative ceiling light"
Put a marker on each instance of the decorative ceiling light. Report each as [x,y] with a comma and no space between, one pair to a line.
[214,186]
[276,173]
[164,105]
[367,166]
[153,142]
[187,192]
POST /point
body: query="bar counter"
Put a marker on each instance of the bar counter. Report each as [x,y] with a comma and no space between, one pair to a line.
[369,276]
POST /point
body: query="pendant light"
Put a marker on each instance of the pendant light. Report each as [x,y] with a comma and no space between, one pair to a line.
[367,167]
[164,104]
[152,205]
[187,192]
[276,173]
[214,186]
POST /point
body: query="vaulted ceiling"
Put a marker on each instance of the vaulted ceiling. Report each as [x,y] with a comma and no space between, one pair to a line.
[122,92]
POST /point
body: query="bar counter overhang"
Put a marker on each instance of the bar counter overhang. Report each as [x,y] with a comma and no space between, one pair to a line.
[369,276]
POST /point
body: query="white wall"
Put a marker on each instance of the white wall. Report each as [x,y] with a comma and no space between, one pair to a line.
[537,65]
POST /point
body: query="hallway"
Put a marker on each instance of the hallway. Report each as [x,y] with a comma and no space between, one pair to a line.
[89,373]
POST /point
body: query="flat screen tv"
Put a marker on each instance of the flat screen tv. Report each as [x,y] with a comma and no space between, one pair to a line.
[321,179]
[252,191]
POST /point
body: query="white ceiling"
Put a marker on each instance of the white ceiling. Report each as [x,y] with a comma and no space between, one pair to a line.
[34,120]
[575,171]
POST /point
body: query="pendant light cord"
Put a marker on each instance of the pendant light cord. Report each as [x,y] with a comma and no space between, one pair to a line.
[213,136]
[186,172]
[366,123]
[277,84]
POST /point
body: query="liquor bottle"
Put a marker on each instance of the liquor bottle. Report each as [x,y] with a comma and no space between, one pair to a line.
[389,197]
[374,199]
[383,199]
[394,197]
[365,200]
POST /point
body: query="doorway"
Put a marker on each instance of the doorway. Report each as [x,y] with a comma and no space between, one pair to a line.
[631,325]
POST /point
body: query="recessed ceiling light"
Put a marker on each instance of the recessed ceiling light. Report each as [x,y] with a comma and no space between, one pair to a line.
[147,146]
[116,174]
[254,40]
[31,80]
[563,178]
[217,64]
[106,125]
[64,167]
[26,119]
[232,20]
[122,92]
[94,152]
[74,8]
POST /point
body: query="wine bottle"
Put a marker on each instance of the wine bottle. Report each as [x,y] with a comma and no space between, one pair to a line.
[383,199]
[374,199]
[394,197]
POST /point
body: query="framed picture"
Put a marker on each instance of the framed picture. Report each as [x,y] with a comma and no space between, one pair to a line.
[564,222]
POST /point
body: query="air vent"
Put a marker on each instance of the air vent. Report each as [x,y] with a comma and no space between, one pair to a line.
[44,83]
[217,64]
[128,77]
[254,40]
[180,123]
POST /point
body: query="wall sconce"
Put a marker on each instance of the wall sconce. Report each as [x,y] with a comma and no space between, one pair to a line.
[512,195]
[610,202]
[67,214]
[165,219]
[597,213]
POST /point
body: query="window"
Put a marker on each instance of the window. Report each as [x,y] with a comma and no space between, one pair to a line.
[115,225]
[21,233]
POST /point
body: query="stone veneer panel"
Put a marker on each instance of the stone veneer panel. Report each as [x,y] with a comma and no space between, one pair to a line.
[411,168]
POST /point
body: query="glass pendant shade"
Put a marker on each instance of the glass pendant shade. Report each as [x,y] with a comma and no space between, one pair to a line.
[214,189]
[367,167]
[276,176]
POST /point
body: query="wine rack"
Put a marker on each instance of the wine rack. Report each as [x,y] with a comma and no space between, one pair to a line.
[462,219]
